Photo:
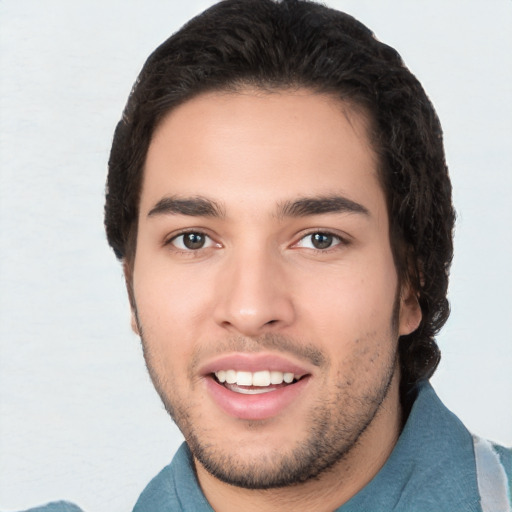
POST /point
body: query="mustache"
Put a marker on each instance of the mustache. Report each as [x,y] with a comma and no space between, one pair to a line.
[268,341]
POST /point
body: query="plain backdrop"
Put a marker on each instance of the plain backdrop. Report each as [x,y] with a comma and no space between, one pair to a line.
[79,418]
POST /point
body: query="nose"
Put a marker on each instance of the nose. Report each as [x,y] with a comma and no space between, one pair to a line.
[254,295]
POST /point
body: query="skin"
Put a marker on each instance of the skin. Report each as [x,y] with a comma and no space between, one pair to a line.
[259,285]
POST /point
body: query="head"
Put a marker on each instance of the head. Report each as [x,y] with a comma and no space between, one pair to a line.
[294,50]
[298,44]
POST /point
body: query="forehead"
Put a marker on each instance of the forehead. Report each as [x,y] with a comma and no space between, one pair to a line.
[260,148]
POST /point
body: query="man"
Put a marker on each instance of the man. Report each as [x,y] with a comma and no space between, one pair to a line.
[279,199]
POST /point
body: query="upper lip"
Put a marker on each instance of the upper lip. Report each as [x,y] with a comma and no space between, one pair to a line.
[251,362]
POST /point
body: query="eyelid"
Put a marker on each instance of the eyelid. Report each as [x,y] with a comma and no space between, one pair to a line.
[174,236]
[343,239]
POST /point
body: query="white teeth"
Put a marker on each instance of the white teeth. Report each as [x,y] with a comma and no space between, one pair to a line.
[250,391]
[288,378]
[276,377]
[230,376]
[262,378]
[244,378]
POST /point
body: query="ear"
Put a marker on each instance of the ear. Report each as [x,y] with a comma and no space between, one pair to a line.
[128,279]
[410,310]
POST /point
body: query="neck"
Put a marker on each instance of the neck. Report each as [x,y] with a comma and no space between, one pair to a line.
[331,489]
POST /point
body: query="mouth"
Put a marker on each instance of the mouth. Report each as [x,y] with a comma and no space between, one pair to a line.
[255,383]
[255,386]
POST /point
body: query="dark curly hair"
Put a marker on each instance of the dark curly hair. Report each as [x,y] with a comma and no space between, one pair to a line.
[301,44]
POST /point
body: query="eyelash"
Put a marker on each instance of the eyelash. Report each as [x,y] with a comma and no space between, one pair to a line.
[187,250]
[337,241]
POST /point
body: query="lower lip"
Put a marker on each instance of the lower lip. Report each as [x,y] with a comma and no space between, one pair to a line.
[254,407]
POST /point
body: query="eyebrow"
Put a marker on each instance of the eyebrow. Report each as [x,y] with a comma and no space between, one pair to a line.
[192,206]
[306,206]
[303,207]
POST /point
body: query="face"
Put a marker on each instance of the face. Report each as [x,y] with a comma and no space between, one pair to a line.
[264,285]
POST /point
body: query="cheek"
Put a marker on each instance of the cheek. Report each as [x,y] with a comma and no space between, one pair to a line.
[355,299]
[170,303]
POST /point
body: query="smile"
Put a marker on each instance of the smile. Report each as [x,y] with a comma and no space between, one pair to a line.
[261,378]
[249,386]
[255,383]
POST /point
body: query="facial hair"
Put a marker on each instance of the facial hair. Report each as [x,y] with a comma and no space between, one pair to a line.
[334,423]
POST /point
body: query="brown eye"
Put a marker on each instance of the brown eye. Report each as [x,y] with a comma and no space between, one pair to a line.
[192,241]
[321,240]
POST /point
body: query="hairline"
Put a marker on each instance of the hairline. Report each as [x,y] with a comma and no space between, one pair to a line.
[349,107]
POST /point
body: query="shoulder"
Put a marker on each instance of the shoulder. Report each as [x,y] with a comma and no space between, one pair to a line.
[159,494]
[437,465]
[56,506]
[175,488]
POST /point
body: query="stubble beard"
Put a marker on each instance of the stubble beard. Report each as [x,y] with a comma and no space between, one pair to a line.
[333,428]
[328,441]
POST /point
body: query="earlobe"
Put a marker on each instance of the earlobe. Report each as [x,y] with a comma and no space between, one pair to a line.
[410,311]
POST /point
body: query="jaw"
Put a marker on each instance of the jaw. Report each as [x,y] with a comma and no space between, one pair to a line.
[303,436]
[331,488]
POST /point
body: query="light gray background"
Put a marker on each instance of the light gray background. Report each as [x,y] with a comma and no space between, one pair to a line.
[78,416]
